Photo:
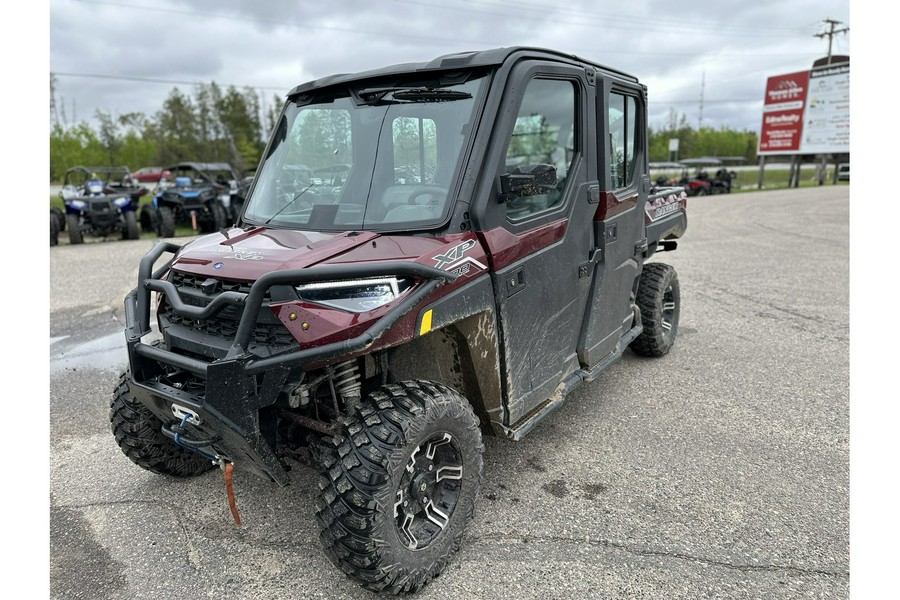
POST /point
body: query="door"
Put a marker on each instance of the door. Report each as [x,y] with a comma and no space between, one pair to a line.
[536,229]
[619,231]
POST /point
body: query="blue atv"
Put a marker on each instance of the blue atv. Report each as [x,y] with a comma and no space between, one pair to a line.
[197,195]
[100,202]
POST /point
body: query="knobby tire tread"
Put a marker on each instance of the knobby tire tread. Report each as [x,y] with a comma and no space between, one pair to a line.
[137,432]
[655,278]
[356,467]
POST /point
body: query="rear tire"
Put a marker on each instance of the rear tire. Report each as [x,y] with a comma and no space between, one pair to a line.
[659,299]
[74,223]
[138,433]
[166,218]
[398,485]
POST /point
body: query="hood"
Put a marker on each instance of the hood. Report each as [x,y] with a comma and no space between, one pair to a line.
[240,255]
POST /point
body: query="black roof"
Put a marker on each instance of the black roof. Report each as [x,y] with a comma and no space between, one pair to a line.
[104,170]
[460,60]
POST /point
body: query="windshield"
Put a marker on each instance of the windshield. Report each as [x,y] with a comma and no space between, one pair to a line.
[379,158]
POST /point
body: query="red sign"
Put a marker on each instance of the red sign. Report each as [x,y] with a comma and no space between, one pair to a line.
[782,124]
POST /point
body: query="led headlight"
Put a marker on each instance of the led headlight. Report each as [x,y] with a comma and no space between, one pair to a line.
[79,204]
[122,201]
[354,295]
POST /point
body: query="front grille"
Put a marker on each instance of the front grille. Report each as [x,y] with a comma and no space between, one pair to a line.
[101,205]
[195,290]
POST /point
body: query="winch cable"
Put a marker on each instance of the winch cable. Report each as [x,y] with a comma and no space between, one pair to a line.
[193,447]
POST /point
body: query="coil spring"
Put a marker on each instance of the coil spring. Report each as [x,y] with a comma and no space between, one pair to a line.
[347,381]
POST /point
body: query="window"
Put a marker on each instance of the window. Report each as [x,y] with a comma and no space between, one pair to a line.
[374,158]
[415,150]
[621,140]
[540,152]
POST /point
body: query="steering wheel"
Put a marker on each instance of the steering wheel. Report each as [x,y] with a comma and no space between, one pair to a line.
[430,190]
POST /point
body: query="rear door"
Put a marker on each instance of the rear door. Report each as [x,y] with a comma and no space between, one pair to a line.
[536,227]
[619,231]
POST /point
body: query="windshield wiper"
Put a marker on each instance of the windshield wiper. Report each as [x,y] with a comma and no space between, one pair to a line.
[377,95]
[285,207]
[430,95]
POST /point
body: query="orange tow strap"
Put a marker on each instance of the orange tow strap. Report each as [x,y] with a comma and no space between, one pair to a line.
[229,491]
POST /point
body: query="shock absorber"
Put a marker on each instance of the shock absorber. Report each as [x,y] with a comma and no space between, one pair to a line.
[347,383]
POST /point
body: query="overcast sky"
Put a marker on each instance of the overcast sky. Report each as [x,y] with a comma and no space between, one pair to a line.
[684,50]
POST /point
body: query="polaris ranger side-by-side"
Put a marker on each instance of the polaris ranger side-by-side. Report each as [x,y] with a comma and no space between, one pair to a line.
[483,253]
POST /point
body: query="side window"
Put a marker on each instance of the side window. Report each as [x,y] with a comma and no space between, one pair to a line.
[540,152]
[621,140]
[415,150]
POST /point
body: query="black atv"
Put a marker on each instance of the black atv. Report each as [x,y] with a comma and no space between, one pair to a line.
[196,194]
[99,202]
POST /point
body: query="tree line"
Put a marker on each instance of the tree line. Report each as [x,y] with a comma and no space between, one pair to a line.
[212,124]
[705,141]
[230,125]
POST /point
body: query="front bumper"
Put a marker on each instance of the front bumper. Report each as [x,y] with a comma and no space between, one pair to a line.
[237,388]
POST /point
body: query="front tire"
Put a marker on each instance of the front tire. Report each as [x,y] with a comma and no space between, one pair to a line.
[54,230]
[131,226]
[166,222]
[75,236]
[60,218]
[220,217]
[398,486]
[148,218]
[659,299]
[138,433]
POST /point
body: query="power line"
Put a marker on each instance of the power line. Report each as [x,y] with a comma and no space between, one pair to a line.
[592,18]
[166,81]
[641,25]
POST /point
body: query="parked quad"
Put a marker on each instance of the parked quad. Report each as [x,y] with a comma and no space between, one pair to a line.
[195,194]
[718,184]
[100,202]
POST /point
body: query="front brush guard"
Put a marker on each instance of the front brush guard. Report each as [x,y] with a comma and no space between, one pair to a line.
[229,405]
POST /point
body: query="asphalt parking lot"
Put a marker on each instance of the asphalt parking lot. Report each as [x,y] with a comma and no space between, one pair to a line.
[719,471]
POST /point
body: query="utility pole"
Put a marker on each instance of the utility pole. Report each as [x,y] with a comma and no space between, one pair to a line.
[831,33]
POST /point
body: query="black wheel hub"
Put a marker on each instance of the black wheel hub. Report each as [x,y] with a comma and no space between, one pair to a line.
[429,490]
[421,488]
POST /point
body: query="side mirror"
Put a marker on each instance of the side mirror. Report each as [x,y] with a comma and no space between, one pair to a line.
[527,180]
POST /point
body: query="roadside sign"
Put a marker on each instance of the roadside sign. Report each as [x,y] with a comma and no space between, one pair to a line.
[807,112]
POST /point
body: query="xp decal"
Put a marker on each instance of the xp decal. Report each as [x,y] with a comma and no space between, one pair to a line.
[455,259]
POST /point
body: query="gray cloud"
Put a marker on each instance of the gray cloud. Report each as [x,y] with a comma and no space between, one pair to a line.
[680,49]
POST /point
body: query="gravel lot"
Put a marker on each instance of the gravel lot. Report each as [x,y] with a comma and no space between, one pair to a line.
[718,471]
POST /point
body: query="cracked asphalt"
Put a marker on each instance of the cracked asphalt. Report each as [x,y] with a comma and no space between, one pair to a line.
[718,471]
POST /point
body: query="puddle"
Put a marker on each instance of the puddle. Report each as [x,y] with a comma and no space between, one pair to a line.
[106,353]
